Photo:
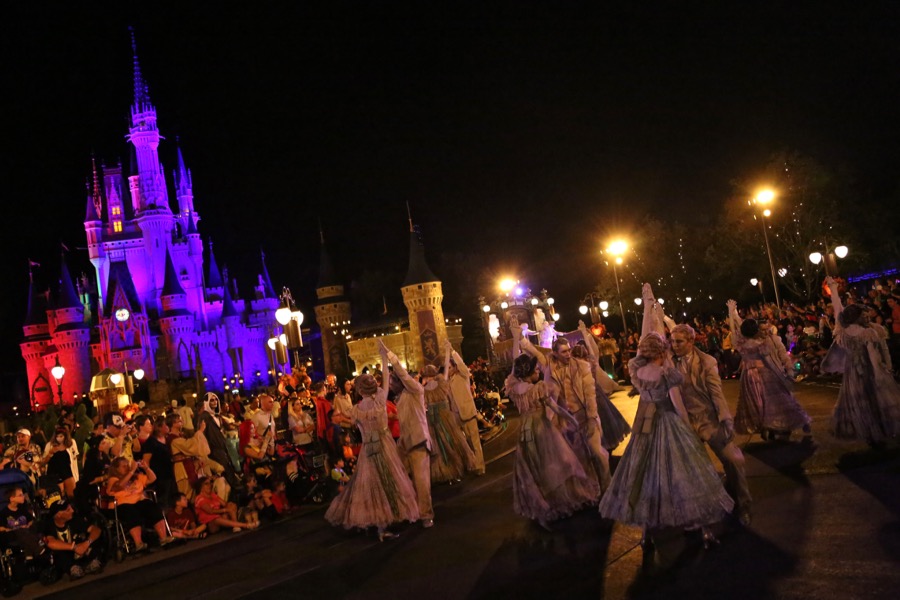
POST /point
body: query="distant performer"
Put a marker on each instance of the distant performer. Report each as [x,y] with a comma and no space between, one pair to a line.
[461,394]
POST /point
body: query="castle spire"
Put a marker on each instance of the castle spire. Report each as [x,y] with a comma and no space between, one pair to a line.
[228,309]
[141,92]
[37,313]
[269,290]
[418,271]
[172,285]
[97,189]
[215,276]
[68,298]
[90,209]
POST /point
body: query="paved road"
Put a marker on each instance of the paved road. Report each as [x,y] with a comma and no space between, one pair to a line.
[825,526]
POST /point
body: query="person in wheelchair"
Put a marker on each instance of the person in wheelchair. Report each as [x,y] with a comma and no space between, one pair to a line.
[73,541]
[17,524]
[126,484]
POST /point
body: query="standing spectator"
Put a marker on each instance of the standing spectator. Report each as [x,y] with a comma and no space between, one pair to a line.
[60,458]
[208,417]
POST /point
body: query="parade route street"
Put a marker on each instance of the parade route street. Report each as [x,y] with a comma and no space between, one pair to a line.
[826,524]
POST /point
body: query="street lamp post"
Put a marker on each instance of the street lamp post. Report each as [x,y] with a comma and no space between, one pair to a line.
[58,371]
[290,320]
[617,249]
[828,259]
[763,198]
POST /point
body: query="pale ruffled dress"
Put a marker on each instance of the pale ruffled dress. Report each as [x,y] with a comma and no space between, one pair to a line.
[665,477]
[868,405]
[549,481]
[451,454]
[766,399]
[379,492]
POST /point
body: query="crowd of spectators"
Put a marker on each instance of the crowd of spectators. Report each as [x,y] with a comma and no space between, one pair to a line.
[805,328]
[175,473]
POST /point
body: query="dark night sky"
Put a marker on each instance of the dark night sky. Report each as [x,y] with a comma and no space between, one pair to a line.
[499,127]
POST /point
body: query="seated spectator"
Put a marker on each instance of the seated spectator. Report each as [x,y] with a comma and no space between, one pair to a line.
[58,458]
[71,540]
[214,512]
[126,484]
[182,520]
[16,523]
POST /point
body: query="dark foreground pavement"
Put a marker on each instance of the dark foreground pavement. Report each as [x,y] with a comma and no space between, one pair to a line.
[826,525]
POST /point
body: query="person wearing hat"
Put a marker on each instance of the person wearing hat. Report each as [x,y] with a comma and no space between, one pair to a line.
[120,435]
[453,456]
[23,455]
[415,439]
[72,541]
[380,492]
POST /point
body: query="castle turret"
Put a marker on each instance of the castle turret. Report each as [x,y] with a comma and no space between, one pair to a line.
[176,323]
[214,282]
[422,295]
[72,339]
[332,315]
[35,345]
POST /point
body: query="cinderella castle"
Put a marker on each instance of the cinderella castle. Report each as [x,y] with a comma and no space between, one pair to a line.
[154,304]
[151,305]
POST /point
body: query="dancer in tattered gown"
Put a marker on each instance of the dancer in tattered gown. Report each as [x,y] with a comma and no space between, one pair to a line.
[380,492]
[868,405]
[452,456]
[615,427]
[665,477]
[766,404]
[549,481]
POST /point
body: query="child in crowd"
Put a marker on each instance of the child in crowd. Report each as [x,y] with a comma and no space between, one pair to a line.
[339,475]
[183,521]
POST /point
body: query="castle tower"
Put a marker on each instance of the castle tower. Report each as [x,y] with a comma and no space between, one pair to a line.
[176,323]
[231,321]
[93,228]
[332,315]
[34,345]
[72,339]
[422,295]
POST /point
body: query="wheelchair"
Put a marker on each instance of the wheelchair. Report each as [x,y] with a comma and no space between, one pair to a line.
[120,543]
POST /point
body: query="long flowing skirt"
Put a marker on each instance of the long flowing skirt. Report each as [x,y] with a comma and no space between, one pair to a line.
[452,456]
[868,405]
[666,479]
[549,482]
[766,402]
[615,427]
[379,492]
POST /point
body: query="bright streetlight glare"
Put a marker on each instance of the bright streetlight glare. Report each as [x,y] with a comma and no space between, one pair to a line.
[618,248]
[507,284]
[583,309]
[638,301]
[841,251]
[765,196]
[688,299]
[535,301]
[138,374]
[618,260]
[815,258]
[604,305]
[486,308]
[550,301]
[661,301]
[767,213]
[556,316]
[504,305]
[782,272]
[754,281]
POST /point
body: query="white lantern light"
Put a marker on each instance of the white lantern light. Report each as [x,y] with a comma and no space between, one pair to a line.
[583,309]
[782,272]
[283,315]
[605,313]
[556,316]
[604,305]
[688,299]
[661,301]
[550,301]
[297,316]
[815,258]
[271,343]
[638,301]
[138,374]
[58,371]
[841,251]
[504,305]
[486,308]
[754,281]
[115,378]
[535,301]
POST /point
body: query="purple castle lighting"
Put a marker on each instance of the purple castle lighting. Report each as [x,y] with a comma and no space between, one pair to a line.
[157,308]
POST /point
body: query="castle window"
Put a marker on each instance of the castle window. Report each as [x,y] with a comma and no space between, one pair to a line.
[117,226]
[116,210]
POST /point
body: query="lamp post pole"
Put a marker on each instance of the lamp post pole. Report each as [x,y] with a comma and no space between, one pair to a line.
[58,371]
[619,297]
[771,264]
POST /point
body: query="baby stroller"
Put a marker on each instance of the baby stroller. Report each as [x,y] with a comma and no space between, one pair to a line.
[312,481]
